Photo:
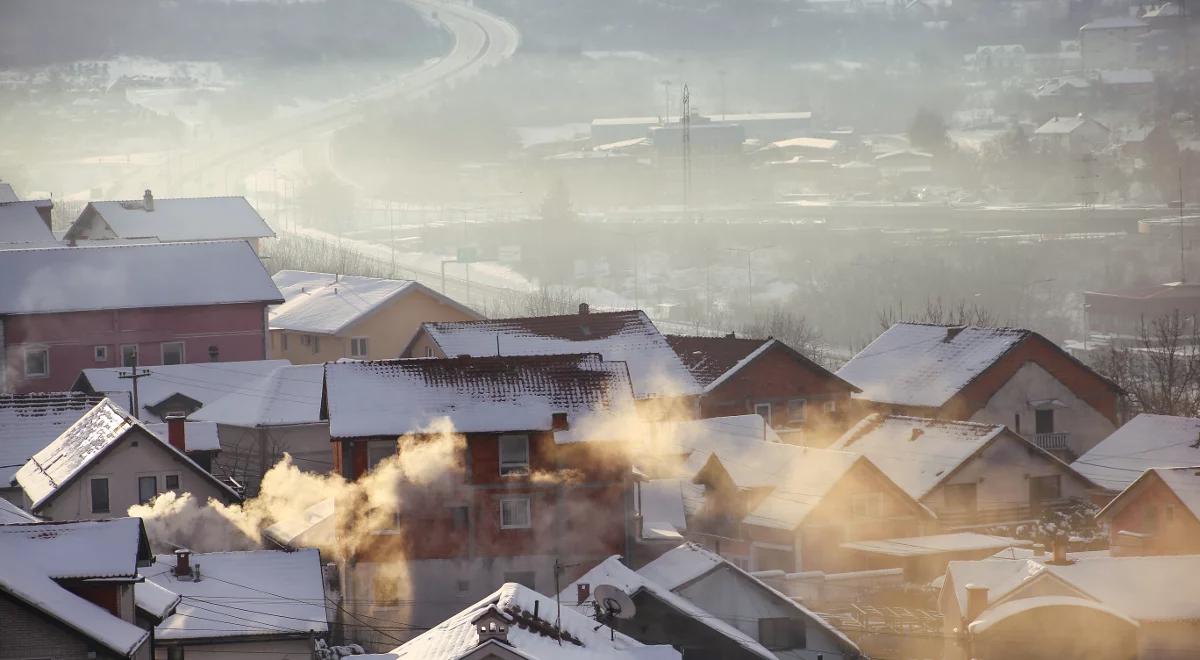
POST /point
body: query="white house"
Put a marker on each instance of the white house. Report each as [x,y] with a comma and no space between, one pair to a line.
[105,463]
[1111,43]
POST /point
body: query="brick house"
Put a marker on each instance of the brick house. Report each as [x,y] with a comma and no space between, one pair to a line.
[64,309]
[1007,376]
[1158,514]
[529,495]
[798,397]
[67,590]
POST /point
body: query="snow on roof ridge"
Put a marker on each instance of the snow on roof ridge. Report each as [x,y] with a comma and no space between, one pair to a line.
[752,356]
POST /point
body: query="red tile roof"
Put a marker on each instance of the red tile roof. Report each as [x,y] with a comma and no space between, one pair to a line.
[710,357]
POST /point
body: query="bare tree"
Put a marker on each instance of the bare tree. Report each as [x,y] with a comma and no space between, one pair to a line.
[790,328]
[937,312]
[1160,369]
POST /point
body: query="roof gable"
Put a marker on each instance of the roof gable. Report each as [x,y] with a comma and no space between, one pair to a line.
[20,222]
[179,219]
[134,276]
[1182,482]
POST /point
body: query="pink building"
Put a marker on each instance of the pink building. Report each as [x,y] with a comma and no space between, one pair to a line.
[63,309]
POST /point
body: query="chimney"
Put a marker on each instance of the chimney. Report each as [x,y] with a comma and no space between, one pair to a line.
[977,598]
[148,200]
[182,565]
[583,591]
[952,332]
[558,422]
[916,433]
[584,309]
[175,431]
[731,335]
[1059,547]
[1039,550]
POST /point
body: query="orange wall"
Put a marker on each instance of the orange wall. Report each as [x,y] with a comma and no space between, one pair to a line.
[1177,535]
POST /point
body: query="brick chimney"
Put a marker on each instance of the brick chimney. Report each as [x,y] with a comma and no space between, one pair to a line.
[1059,547]
[583,591]
[148,200]
[558,422]
[183,566]
[584,310]
[1039,550]
[977,599]
[176,431]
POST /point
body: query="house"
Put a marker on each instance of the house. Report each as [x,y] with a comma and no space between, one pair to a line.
[968,473]
[1075,135]
[26,222]
[199,440]
[690,597]
[1069,606]
[105,463]
[1063,95]
[1111,43]
[924,558]
[236,605]
[518,623]
[767,377]
[1124,312]
[1158,514]
[908,165]
[326,317]
[629,337]
[991,375]
[155,304]
[67,589]
[176,388]
[29,422]
[1144,442]
[171,220]
[535,488]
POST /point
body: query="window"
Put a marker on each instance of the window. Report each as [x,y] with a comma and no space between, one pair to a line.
[866,505]
[460,517]
[514,513]
[175,653]
[100,353]
[524,578]
[377,450]
[316,344]
[1042,489]
[1017,423]
[463,586]
[172,352]
[514,454]
[780,634]
[37,362]
[1043,421]
[100,495]
[214,353]
[764,410]
[147,488]
[831,406]
[428,351]
[283,340]
[961,497]
[797,410]
[171,482]
[386,589]
[129,355]
[358,347]
[305,340]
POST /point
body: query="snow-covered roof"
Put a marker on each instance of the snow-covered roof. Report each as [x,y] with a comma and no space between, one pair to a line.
[79,549]
[1065,125]
[477,394]
[64,459]
[183,219]
[29,422]
[20,222]
[1184,482]
[326,303]
[197,436]
[11,513]
[154,600]
[708,358]
[312,528]
[132,276]
[1126,76]
[804,142]
[999,613]
[7,194]
[289,394]
[456,636]
[204,382]
[915,452]
[1113,23]
[916,364]
[1144,442]
[261,593]
[662,509]
[612,572]
[936,544]
[804,476]
[627,336]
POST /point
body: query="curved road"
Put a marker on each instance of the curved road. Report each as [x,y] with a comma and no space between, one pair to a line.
[481,39]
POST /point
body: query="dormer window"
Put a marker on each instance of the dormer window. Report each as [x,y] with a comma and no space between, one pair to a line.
[491,625]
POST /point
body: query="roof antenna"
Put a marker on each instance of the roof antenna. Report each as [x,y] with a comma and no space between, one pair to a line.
[497,344]
[1182,273]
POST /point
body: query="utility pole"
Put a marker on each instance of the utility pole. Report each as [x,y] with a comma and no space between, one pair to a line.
[666,101]
[722,73]
[1182,272]
[134,375]
[749,272]
[686,121]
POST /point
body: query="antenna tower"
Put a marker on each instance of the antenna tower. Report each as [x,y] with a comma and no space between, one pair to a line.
[686,119]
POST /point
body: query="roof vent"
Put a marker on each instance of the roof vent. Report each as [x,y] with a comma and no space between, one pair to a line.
[732,335]
[584,309]
[916,433]
[952,331]
[148,200]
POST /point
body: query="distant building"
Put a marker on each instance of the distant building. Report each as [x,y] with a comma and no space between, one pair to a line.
[968,474]
[107,462]
[908,165]
[326,317]
[769,378]
[1142,443]
[66,309]
[999,58]
[1111,43]
[1075,135]
[67,590]
[1124,312]
[1158,514]
[171,220]
[26,222]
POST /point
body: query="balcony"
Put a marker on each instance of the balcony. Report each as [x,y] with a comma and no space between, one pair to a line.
[1052,441]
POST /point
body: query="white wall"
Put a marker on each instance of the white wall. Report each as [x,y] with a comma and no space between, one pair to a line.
[284,649]
[1033,383]
[122,465]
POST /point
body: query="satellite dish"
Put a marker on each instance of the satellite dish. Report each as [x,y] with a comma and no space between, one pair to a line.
[613,602]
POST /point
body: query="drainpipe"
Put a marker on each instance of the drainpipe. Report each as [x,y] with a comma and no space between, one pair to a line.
[3,360]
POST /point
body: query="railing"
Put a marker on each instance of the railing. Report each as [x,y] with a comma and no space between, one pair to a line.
[1051,441]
